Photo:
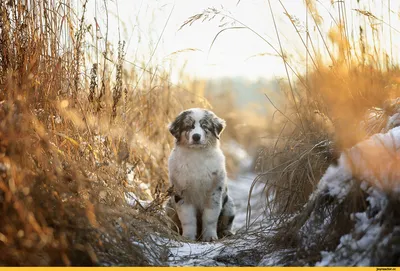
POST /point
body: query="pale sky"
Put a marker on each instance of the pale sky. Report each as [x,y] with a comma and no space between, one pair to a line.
[235,52]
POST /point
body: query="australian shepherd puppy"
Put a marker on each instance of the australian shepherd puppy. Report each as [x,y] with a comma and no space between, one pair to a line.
[201,207]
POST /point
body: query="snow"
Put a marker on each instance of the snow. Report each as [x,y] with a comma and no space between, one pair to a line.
[239,191]
[236,151]
[337,181]
[132,200]
[356,248]
[143,194]
[195,254]
[130,173]
[374,160]
[393,121]
[274,258]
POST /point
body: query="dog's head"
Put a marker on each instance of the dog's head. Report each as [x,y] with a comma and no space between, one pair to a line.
[197,128]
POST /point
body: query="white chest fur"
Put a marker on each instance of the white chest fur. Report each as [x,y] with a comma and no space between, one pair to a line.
[196,172]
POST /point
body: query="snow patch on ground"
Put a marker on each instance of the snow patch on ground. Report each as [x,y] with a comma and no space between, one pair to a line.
[337,181]
[375,160]
[236,151]
[133,200]
[274,259]
[356,248]
[195,254]
[239,190]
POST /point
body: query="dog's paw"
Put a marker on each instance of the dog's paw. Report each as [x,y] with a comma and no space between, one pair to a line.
[189,236]
[225,233]
[209,237]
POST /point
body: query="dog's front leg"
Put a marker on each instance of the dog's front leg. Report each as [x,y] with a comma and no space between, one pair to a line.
[187,215]
[210,216]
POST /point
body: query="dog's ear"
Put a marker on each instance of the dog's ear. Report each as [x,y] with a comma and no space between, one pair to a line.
[218,126]
[175,127]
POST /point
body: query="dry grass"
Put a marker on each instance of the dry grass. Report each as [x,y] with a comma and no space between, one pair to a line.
[295,234]
[68,135]
[337,103]
[62,190]
[336,110]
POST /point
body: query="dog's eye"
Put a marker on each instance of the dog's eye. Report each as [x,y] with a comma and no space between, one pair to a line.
[205,127]
[189,127]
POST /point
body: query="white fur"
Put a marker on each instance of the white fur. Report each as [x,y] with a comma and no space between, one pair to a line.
[191,170]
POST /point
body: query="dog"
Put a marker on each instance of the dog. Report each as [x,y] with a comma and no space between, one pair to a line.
[200,206]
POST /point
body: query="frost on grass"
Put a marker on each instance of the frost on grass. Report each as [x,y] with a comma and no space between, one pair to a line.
[142,195]
[240,250]
[372,240]
[374,161]
[195,254]
[337,181]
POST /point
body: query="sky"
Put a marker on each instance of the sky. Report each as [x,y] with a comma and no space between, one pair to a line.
[151,29]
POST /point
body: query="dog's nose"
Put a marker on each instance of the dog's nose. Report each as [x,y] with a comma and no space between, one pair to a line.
[196,137]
